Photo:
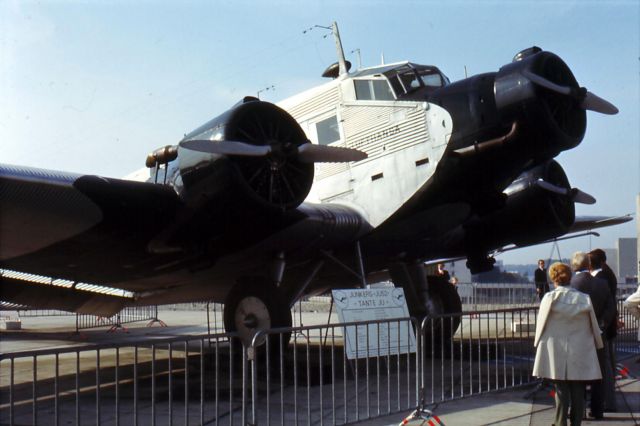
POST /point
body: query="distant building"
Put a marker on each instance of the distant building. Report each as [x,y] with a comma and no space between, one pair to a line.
[623,259]
[627,259]
[612,260]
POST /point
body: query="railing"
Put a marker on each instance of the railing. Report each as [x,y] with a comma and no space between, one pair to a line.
[491,350]
[126,316]
[481,296]
[213,379]
[626,341]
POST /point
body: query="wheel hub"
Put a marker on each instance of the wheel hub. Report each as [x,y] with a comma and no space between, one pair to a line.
[251,316]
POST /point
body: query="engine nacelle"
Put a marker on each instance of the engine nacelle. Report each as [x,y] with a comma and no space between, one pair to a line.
[506,110]
[531,213]
[277,181]
[555,118]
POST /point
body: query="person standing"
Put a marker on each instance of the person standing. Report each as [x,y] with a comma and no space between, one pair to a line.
[567,335]
[598,291]
[443,273]
[599,269]
[540,278]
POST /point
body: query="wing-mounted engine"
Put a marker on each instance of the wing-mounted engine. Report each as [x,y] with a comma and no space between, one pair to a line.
[251,161]
[250,154]
[256,153]
[539,206]
[279,179]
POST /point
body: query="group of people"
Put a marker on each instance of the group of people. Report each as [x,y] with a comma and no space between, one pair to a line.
[575,332]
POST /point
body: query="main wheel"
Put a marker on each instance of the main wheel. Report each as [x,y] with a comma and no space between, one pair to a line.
[255,305]
[442,306]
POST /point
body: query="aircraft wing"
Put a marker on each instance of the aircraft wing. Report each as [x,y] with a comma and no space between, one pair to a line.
[583,226]
[56,223]
[588,223]
[92,244]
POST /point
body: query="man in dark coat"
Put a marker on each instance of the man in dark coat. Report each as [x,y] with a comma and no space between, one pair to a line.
[540,278]
[598,291]
[600,269]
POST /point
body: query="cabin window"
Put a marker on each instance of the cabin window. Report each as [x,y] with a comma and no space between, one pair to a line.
[328,131]
[367,90]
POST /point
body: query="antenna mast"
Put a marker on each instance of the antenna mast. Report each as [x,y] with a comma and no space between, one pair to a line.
[341,61]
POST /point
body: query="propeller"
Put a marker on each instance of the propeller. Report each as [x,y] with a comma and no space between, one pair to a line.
[226,148]
[307,152]
[576,195]
[588,100]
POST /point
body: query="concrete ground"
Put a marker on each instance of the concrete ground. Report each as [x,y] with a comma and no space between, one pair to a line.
[531,406]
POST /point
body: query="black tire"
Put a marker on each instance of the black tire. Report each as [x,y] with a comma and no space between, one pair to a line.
[254,305]
[444,303]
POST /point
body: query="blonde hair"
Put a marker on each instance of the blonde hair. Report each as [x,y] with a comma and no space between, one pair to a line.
[560,273]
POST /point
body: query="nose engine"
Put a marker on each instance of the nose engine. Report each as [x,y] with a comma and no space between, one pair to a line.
[531,109]
[555,121]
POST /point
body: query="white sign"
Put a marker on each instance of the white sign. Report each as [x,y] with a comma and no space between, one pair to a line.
[378,339]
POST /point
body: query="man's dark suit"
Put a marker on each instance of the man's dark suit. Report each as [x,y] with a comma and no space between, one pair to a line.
[609,344]
[598,291]
[605,309]
[540,278]
[607,274]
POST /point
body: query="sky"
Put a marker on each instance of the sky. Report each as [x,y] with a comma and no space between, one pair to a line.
[93,86]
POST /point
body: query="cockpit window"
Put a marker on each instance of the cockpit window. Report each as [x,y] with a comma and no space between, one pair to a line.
[432,79]
[373,90]
[411,77]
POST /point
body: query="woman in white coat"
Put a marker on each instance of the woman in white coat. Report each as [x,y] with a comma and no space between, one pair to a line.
[567,335]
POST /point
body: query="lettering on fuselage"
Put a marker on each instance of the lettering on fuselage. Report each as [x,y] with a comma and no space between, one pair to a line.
[377,136]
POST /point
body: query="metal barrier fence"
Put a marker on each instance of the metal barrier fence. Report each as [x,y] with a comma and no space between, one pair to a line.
[214,379]
[481,296]
[491,350]
[627,341]
[27,313]
[125,316]
[477,296]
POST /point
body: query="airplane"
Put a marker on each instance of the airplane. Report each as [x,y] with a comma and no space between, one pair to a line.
[368,175]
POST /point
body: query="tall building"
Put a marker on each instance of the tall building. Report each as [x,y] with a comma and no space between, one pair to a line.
[612,260]
[627,259]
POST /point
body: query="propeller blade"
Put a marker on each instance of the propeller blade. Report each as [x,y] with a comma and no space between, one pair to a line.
[582,197]
[226,148]
[593,102]
[311,153]
[577,195]
[552,188]
[541,81]
[589,100]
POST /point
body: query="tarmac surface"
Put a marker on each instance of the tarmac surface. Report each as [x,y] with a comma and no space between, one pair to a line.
[521,407]
[528,405]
